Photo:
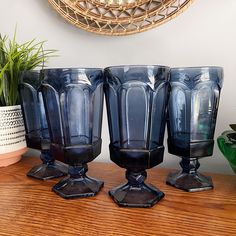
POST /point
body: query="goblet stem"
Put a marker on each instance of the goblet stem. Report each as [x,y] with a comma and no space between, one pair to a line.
[189,179]
[49,169]
[136,179]
[189,166]
[136,193]
[46,157]
[77,184]
[78,171]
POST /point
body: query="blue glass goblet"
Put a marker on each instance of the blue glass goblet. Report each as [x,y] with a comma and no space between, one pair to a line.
[73,101]
[193,105]
[136,98]
[37,135]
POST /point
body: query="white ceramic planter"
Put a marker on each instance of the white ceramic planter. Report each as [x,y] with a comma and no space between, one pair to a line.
[12,135]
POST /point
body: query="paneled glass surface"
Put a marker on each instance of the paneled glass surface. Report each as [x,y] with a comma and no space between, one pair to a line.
[192,112]
[136,98]
[37,135]
[74,104]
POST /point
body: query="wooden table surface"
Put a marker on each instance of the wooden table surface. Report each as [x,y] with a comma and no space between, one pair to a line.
[29,207]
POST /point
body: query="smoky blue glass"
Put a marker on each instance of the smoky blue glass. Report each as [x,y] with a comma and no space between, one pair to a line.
[37,135]
[192,112]
[73,101]
[136,98]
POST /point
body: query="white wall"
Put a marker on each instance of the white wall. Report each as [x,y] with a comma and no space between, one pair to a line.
[204,34]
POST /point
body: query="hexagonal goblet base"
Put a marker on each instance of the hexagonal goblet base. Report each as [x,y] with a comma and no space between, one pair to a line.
[77,184]
[49,169]
[136,193]
[189,179]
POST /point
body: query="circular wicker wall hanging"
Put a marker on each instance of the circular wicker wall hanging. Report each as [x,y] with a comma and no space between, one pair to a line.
[118,17]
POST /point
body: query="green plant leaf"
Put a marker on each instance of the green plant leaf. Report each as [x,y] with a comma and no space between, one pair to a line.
[16,58]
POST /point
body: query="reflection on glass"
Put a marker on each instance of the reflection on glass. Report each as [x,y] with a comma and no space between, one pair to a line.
[37,135]
[136,99]
[192,109]
[74,102]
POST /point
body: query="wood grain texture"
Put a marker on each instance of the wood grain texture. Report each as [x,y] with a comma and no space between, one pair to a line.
[29,207]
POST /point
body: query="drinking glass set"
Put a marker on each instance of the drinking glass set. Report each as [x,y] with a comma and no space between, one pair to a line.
[63,107]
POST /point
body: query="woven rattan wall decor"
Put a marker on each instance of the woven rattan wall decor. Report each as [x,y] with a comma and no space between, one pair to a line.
[118,17]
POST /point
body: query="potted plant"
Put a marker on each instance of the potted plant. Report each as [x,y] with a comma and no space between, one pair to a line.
[227,145]
[15,58]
